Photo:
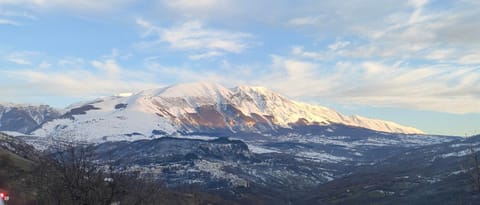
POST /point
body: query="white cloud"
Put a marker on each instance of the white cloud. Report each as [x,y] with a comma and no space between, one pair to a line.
[193,36]
[109,67]
[437,88]
[23,14]
[300,52]
[442,88]
[338,45]
[22,57]
[226,74]
[418,3]
[9,22]
[470,59]
[427,34]
[149,28]
[84,5]
[106,77]
[440,54]
[192,4]
[411,54]
[204,10]
[44,65]
[408,30]
[205,55]
[305,21]
[14,18]
[73,83]
[72,62]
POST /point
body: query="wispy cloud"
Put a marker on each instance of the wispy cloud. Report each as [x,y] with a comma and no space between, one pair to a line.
[85,5]
[305,21]
[423,33]
[300,52]
[338,45]
[9,22]
[14,18]
[24,14]
[416,54]
[72,62]
[68,83]
[110,67]
[22,57]
[193,36]
[73,77]
[44,65]
[470,59]
[225,73]
[193,4]
[437,88]
[206,55]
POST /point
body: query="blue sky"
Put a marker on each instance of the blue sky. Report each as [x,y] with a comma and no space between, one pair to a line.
[415,62]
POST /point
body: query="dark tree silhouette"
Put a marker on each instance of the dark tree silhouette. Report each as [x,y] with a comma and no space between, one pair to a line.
[73,176]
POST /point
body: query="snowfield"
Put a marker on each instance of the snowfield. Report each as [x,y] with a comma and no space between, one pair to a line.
[192,107]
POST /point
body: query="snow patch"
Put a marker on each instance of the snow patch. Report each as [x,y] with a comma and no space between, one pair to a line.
[260,150]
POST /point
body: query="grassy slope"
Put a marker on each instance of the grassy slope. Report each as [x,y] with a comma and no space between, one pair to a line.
[15,177]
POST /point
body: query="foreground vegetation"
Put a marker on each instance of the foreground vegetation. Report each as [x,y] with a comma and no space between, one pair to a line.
[72,177]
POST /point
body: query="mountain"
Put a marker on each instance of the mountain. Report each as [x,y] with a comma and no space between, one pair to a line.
[198,108]
[25,118]
[445,173]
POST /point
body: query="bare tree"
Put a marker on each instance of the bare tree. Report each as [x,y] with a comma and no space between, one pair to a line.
[72,175]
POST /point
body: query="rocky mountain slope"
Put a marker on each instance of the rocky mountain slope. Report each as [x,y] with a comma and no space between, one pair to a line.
[276,168]
[25,118]
[198,108]
[437,174]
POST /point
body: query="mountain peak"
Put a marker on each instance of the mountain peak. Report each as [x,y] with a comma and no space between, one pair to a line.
[197,89]
[251,88]
[206,108]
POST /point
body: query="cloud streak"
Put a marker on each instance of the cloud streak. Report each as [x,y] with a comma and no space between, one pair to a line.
[193,36]
[72,77]
[373,83]
[84,5]
[435,88]
[22,57]
[415,54]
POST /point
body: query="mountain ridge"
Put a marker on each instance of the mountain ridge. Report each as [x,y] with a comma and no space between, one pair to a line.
[25,118]
[199,108]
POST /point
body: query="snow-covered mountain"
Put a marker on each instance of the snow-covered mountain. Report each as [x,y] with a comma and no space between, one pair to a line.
[25,118]
[198,108]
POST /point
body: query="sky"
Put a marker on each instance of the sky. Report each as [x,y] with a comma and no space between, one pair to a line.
[414,62]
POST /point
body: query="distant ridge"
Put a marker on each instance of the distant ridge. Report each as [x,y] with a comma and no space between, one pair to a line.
[25,118]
